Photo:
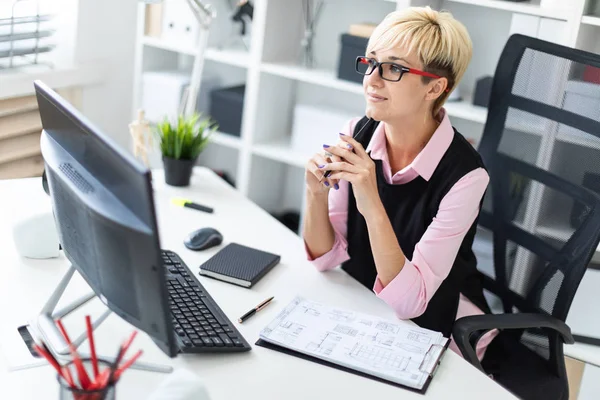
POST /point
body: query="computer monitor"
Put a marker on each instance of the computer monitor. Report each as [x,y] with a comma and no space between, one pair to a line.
[103,206]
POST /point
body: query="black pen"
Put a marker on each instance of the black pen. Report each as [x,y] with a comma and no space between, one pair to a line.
[357,137]
[255,310]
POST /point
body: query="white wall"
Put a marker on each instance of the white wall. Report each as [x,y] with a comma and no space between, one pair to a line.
[66,34]
[106,34]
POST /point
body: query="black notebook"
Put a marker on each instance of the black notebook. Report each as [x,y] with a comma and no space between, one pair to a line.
[240,265]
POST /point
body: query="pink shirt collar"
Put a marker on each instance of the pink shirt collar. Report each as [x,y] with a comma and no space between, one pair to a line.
[426,161]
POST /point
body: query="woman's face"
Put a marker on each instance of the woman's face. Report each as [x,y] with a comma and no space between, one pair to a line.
[393,101]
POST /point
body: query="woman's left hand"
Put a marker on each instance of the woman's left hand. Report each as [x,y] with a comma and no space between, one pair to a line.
[358,168]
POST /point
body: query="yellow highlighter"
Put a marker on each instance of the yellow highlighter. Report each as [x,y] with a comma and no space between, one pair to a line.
[178,201]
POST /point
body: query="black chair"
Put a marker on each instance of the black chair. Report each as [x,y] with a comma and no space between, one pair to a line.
[541,139]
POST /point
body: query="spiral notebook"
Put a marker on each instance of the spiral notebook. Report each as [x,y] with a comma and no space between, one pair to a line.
[391,351]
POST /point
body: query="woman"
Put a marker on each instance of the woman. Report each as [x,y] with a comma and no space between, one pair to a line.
[407,192]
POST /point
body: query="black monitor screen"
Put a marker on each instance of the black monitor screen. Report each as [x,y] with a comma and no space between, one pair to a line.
[104,210]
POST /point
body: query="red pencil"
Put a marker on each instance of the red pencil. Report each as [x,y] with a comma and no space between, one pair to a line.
[127,364]
[90,335]
[128,343]
[84,379]
[50,359]
[68,377]
[115,364]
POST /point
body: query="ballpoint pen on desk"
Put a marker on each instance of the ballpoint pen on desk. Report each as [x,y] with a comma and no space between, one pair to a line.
[190,204]
[255,310]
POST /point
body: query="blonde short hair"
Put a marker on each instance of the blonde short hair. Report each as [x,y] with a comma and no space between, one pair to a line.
[442,44]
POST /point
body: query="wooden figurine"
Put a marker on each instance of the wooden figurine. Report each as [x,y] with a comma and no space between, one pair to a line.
[142,138]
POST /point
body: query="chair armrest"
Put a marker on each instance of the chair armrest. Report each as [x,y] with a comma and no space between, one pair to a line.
[475,326]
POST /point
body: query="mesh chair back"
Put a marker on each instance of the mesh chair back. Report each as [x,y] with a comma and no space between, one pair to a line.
[541,145]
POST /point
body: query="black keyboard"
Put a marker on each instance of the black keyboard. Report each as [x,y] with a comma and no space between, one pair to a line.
[199,323]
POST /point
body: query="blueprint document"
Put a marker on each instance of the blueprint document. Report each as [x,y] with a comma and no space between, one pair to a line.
[397,351]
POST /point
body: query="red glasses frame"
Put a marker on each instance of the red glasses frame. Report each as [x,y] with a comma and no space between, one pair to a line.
[378,65]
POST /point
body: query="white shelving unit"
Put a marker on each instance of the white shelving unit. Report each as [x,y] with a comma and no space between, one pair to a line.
[276,81]
[590,20]
[529,8]
[226,140]
[466,110]
[262,158]
[280,151]
[237,58]
[318,77]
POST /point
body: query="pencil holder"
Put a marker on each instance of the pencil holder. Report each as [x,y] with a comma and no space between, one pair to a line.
[67,392]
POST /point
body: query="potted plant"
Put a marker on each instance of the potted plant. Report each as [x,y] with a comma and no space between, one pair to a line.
[181,143]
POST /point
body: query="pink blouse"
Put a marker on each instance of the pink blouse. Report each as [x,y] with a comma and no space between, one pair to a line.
[410,291]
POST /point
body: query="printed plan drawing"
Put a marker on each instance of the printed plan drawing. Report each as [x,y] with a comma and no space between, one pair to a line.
[394,350]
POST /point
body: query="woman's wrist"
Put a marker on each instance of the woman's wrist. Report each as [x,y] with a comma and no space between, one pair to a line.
[320,196]
[376,214]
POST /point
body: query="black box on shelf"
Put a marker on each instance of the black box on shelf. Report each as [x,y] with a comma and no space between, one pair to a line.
[483,90]
[226,107]
[352,47]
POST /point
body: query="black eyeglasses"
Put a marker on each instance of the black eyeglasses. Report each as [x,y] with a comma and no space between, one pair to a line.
[387,70]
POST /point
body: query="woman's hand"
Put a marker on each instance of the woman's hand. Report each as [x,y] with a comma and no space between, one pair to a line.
[315,182]
[356,167]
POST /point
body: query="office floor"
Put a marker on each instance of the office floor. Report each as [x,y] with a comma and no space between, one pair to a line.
[590,384]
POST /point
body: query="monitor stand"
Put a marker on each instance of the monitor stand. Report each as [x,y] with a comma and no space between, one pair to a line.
[44,327]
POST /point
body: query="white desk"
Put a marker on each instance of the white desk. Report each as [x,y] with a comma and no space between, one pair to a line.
[259,374]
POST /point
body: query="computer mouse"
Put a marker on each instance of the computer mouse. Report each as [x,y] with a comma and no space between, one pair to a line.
[203,238]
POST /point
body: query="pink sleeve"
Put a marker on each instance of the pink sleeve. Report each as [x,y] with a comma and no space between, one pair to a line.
[338,215]
[410,291]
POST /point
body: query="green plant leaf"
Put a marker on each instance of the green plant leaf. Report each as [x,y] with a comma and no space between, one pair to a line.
[185,138]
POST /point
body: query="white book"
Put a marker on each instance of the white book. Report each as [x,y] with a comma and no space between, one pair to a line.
[395,351]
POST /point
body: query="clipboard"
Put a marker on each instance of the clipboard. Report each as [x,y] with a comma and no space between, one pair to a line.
[423,390]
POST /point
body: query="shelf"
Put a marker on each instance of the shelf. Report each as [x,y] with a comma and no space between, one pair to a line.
[522,8]
[237,58]
[19,82]
[163,45]
[314,76]
[227,140]
[560,230]
[587,140]
[590,20]
[281,151]
[466,110]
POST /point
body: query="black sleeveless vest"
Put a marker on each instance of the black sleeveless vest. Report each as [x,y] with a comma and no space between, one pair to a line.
[411,208]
